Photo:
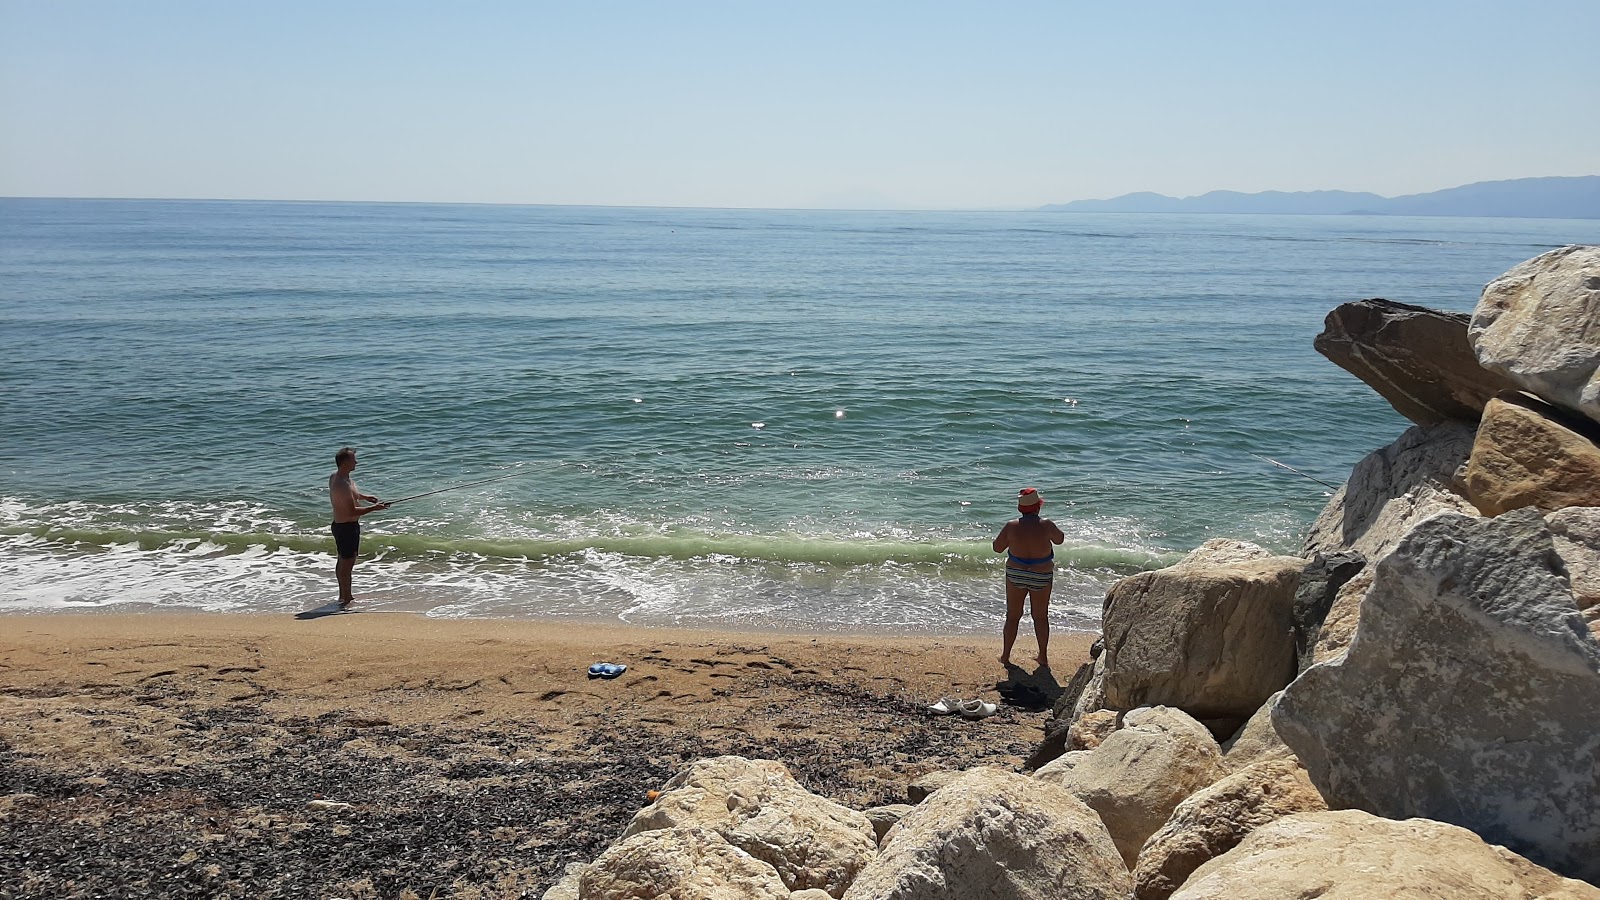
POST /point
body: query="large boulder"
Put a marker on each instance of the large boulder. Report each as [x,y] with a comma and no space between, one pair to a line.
[1416,358]
[1351,855]
[758,807]
[1215,819]
[1539,326]
[1140,773]
[1528,454]
[1210,635]
[1467,696]
[688,863]
[1393,488]
[999,836]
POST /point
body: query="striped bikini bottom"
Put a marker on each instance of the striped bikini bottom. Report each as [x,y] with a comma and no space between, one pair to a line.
[1032,581]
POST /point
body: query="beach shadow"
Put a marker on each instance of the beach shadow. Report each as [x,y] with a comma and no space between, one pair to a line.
[1035,692]
[332,609]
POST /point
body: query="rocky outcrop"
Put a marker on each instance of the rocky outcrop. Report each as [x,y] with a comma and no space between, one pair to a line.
[1393,488]
[1526,455]
[1467,696]
[1339,626]
[758,807]
[1140,773]
[685,863]
[1539,326]
[1210,635]
[1257,741]
[1351,855]
[1416,358]
[998,835]
[1215,819]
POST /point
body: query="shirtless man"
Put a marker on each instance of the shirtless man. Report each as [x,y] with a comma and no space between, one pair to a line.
[1030,566]
[347,513]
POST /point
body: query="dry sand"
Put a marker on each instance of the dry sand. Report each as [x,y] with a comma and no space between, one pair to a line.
[176,755]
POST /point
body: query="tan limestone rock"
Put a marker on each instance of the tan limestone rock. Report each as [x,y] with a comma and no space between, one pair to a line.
[1352,855]
[1525,455]
[682,863]
[1210,635]
[999,836]
[758,807]
[1340,626]
[1215,819]
[1140,773]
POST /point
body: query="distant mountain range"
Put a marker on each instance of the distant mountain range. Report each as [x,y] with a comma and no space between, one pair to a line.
[1530,198]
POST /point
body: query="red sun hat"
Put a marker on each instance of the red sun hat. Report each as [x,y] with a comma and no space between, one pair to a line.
[1029,499]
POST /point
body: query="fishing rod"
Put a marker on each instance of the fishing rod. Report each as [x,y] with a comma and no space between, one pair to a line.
[457,487]
[1296,471]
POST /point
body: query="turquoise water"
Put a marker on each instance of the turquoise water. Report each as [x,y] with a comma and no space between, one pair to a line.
[743,418]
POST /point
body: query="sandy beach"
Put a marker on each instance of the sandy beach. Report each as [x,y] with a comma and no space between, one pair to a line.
[390,755]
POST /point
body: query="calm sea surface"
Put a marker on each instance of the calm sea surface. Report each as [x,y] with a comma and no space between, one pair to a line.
[753,419]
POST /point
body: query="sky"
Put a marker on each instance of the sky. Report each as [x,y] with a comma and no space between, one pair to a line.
[889,105]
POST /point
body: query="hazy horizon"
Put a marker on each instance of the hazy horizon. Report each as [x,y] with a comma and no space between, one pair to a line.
[720,105]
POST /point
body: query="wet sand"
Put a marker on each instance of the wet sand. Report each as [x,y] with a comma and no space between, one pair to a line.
[180,755]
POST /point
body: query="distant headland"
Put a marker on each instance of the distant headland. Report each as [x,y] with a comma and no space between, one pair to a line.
[1529,198]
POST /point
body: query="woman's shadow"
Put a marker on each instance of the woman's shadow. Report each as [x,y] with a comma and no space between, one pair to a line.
[1036,692]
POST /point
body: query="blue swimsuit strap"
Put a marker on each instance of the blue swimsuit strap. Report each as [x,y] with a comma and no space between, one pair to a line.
[1024,560]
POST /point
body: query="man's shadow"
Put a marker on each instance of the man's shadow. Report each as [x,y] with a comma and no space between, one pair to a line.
[1036,692]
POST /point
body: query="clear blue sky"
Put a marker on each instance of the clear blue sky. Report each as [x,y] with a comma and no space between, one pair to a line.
[763,104]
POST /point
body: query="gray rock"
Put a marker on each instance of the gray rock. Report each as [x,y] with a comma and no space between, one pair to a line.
[1210,635]
[1539,326]
[1467,695]
[1320,582]
[999,836]
[1416,358]
[1393,488]
[1351,855]
[1140,773]
[567,887]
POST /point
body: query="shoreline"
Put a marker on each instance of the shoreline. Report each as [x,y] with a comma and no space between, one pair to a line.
[176,754]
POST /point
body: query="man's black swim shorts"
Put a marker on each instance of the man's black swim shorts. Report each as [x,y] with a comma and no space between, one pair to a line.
[347,537]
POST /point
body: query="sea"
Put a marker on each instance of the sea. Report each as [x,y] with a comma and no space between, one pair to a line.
[809,421]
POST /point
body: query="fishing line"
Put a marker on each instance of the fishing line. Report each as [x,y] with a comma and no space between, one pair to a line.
[457,487]
[1280,465]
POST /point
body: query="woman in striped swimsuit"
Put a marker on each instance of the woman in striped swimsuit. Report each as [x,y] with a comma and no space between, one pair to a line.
[1030,565]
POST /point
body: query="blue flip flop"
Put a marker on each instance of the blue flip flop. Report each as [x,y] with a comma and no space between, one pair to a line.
[606,670]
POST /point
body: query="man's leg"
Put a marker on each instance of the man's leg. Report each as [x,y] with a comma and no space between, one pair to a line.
[346,565]
[1041,624]
[1014,597]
